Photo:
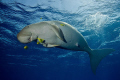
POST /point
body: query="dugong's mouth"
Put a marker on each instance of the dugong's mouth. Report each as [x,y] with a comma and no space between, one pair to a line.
[24,37]
[30,38]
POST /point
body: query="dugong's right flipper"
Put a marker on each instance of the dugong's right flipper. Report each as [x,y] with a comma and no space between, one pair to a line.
[58,32]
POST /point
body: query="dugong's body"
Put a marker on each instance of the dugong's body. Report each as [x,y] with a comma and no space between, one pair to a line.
[61,34]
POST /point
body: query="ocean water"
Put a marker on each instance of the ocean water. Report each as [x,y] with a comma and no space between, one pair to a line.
[97,20]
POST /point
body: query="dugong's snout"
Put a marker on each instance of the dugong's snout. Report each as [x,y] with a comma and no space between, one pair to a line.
[26,36]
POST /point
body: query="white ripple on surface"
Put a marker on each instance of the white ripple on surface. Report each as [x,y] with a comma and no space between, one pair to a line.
[22,64]
[66,55]
[96,20]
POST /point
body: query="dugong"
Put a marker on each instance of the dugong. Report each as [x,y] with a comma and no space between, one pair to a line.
[62,35]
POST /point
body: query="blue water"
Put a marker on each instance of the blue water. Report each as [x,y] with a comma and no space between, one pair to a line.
[97,20]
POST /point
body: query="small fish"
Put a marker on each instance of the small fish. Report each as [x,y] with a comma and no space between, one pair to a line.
[40,40]
[40,18]
[62,24]
[26,47]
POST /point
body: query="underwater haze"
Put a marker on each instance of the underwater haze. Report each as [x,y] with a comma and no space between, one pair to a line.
[97,20]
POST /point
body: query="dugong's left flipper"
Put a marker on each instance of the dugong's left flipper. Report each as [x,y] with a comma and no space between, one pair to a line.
[49,45]
[58,32]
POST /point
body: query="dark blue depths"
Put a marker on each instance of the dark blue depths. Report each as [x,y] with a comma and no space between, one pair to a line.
[40,63]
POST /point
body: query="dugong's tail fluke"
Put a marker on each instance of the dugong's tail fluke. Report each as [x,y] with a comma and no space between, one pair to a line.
[96,56]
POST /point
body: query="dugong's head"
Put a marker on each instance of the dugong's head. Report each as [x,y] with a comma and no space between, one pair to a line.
[27,34]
